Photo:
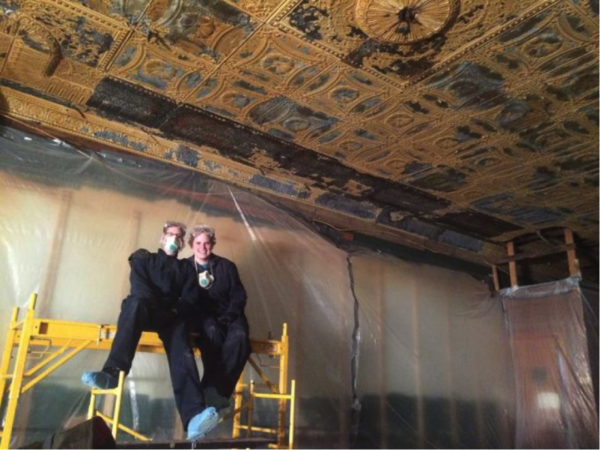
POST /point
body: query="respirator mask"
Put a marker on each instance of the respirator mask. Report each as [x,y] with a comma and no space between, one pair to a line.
[171,244]
[205,279]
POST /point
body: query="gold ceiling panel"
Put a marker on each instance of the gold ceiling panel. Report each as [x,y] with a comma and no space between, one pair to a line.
[41,69]
[486,105]
[279,63]
[261,9]
[78,32]
[229,95]
[150,65]
[200,29]
[349,142]
[333,26]
[343,92]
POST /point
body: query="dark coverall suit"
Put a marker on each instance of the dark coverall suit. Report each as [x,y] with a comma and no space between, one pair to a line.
[223,332]
[164,291]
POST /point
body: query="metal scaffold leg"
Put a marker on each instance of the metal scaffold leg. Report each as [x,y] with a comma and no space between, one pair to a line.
[56,342]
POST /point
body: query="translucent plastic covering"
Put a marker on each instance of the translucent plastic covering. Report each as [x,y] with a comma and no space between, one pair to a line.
[556,407]
[386,353]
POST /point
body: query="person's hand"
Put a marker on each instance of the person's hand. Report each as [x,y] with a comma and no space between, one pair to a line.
[228,318]
[165,316]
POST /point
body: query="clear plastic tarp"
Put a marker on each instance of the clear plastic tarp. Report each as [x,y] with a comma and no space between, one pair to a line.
[386,353]
[556,406]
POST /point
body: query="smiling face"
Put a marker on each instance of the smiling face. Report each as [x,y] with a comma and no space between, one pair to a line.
[202,247]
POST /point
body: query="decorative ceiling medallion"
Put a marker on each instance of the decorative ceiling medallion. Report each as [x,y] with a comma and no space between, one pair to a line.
[404,21]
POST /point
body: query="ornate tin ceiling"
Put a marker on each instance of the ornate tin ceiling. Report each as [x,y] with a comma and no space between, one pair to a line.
[463,123]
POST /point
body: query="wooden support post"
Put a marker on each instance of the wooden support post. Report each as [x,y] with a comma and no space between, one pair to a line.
[571,256]
[512,265]
[496,278]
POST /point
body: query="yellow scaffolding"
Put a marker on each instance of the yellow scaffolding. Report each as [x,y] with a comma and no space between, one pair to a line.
[55,342]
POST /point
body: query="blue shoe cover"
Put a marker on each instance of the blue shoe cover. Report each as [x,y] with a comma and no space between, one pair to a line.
[202,424]
[99,380]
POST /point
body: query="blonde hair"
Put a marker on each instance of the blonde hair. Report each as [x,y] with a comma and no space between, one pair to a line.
[171,223]
[202,229]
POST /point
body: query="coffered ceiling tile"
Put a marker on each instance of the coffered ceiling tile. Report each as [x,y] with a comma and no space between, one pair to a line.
[279,61]
[32,57]
[150,66]
[77,32]
[70,81]
[229,95]
[456,29]
[549,31]
[211,28]
[532,215]
[119,9]
[555,57]
[327,24]
[350,143]
[579,165]
[410,116]
[389,163]
[579,84]
[290,121]
[589,8]
[470,85]
[260,9]
[523,209]
[589,113]
[344,91]
[439,179]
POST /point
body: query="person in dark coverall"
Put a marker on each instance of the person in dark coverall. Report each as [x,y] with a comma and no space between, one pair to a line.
[164,292]
[223,331]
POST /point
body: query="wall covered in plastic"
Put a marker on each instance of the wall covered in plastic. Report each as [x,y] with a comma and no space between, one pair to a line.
[556,407]
[386,353]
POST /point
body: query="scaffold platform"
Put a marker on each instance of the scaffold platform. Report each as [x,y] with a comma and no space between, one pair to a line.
[254,442]
[55,342]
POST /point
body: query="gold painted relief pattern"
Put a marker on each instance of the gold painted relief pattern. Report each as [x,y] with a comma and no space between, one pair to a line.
[150,66]
[228,95]
[404,21]
[343,92]
[61,118]
[332,25]
[194,28]
[260,9]
[46,71]
[83,34]
[497,110]
[278,62]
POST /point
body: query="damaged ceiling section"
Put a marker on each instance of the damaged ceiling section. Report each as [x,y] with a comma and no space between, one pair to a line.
[451,125]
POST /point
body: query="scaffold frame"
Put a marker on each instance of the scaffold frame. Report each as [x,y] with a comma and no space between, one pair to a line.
[55,342]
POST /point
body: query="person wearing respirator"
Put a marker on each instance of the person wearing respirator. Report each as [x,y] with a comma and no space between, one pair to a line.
[222,328]
[164,292]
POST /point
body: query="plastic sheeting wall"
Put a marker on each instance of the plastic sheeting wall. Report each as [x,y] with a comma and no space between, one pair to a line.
[556,407]
[385,353]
